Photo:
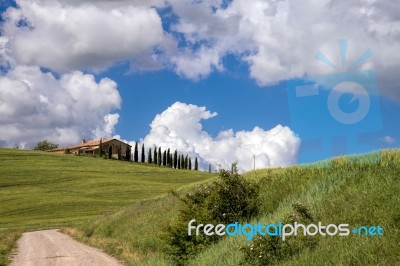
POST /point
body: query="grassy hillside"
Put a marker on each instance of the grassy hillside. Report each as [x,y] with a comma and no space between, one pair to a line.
[337,191]
[45,190]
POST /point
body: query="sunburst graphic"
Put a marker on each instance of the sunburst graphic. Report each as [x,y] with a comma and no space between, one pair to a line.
[343,54]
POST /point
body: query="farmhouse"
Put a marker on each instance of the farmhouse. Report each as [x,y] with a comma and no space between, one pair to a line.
[110,147]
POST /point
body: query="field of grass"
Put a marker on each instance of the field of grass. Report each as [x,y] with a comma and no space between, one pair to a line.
[338,191]
[46,190]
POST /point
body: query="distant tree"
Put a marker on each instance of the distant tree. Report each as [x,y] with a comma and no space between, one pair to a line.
[185,165]
[168,157]
[149,159]
[155,155]
[119,151]
[159,156]
[196,164]
[136,153]
[101,147]
[182,162]
[190,164]
[175,158]
[143,157]
[209,168]
[128,153]
[164,158]
[171,161]
[110,152]
[45,145]
[179,162]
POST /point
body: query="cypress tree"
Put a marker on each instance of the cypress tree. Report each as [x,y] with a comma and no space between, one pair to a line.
[175,158]
[155,155]
[171,161]
[185,165]
[209,168]
[128,153]
[190,164]
[143,157]
[136,153]
[164,158]
[168,158]
[179,162]
[182,162]
[149,159]
[196,164]
[159,156]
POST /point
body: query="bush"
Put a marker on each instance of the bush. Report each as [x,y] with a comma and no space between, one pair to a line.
[231,198]
[269,250]
[45,145]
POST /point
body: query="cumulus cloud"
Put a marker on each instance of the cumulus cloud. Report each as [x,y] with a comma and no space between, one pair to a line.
[64,36]
[279,39]
[179,127]
[35,105]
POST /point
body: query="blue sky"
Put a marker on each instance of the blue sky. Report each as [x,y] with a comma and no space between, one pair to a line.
[235,58]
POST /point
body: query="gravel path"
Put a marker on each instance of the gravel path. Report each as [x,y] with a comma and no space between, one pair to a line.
[50,247]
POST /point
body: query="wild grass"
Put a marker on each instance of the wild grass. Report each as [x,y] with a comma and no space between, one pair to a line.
[344,190]
[41,190]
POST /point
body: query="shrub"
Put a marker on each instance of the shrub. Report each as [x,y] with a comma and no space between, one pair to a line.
[229,199]
[268,250]
[45,145]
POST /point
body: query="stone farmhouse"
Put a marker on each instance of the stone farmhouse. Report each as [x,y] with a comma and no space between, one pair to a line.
[92,147]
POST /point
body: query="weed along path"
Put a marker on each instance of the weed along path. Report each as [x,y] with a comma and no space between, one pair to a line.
[50,247]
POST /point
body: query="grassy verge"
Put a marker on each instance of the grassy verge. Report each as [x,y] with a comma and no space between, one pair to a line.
[8,239]
[340,191]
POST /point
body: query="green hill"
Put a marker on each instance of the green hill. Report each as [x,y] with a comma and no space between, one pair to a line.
[41,190]
[343,190]
[47,190]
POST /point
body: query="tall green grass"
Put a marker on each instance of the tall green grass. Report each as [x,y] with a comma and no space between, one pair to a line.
[343,190]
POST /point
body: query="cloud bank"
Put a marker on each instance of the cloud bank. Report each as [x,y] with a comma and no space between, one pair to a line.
[278,40]
[36,106]
[64,37]
[179,127]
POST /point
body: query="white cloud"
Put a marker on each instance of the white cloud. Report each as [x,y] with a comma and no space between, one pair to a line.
[388,139]
[179,127]
[36,105]
[64,36]
[279,39]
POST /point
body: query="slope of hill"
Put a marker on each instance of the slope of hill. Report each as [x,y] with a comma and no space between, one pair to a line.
[342,190]
[40,190]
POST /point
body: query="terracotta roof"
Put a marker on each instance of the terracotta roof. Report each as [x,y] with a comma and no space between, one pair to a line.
[93,144]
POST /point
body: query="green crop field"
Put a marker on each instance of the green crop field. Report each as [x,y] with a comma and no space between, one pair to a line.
[46,190]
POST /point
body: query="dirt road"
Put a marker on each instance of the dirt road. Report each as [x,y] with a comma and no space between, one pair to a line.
[50,247]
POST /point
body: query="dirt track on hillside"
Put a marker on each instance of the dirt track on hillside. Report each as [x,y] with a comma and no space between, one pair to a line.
[50,247]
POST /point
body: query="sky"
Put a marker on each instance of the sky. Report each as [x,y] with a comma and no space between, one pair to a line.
[278,82]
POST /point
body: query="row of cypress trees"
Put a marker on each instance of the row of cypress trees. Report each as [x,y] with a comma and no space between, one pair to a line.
[165,158]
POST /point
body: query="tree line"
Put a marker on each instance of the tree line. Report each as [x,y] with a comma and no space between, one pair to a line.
[163,158]
[154,156]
